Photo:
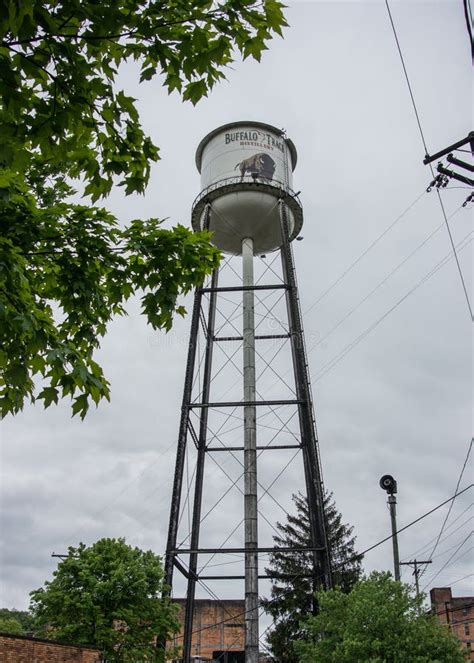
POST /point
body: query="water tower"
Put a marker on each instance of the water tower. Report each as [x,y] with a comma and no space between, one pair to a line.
[248,203]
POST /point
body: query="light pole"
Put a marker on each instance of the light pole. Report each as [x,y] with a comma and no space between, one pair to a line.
[388,483]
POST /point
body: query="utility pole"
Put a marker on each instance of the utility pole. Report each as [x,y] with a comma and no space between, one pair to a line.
[416,572]
[388,483]
[392,503]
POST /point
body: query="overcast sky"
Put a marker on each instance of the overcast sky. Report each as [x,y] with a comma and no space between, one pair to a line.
[398,401]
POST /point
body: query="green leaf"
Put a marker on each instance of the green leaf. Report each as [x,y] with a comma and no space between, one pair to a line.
[49,395]
[67,269]
[380,620]
[80,406]
[195,91]
[93,587]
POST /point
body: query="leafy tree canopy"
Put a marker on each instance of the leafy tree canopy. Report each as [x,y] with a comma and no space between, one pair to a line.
[11,625]
[67,269]
[379,621]
[108,595]
[292,597]
[22,618]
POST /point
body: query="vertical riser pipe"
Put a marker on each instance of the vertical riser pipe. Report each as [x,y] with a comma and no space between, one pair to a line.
[250,459]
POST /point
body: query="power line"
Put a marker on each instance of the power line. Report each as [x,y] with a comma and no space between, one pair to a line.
[351,345]
[295,576]
[447,550]
[337,358]
[466,552]
[455,254]
[469,575]
[406,77]
[348,348]
[382,282]
[364,552]
[364,253]
[426,153]
[449,560]
[413,522]
[451,505]
[325,369]
[114,499]
[426,545]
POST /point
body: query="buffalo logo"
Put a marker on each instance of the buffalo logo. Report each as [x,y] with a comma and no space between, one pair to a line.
[259,165]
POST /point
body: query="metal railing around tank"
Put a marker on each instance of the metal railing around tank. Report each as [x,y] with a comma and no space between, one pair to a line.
[230,182]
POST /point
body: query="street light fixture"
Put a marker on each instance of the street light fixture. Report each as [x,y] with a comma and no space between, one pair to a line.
[388,483]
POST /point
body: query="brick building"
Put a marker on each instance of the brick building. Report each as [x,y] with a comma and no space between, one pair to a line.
[219,630]
[25,649]
[457,612]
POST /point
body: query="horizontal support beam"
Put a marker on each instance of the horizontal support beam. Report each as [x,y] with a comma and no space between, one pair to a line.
[213,551]
[459,162]
[245,403]
[276,446]
[243,288]
[456,176]
[469,139]
[264,337]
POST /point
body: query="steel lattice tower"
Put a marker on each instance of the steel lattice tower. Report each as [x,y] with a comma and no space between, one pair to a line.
[250,214]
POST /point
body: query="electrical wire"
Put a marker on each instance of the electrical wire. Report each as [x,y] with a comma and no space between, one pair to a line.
[354,557]
[348,348]
[421,550]
[127,487]
[441,554]
[426,153]
[380,284]
[451,505]
[169,448]
[455,254]
[458,609]
[469,575]
[364,253]
[449,560]
[406,77]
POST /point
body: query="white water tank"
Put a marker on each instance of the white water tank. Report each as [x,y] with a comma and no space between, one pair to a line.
[246,169]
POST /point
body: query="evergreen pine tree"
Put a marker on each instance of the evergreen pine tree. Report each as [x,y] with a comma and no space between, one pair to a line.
[292,597]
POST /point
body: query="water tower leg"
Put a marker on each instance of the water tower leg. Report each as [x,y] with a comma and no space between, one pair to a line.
[250,459]
[199,482]
[309,441]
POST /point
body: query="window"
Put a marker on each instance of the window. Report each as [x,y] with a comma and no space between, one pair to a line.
[466,629]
